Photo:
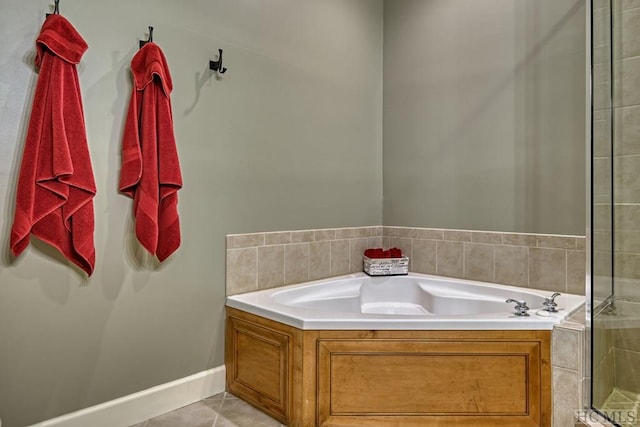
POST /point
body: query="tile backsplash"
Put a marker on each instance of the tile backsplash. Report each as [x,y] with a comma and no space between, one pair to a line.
[266,260]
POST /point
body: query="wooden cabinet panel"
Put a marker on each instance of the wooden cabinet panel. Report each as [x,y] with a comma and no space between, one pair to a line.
[389,378]
[259,366]
[422,381]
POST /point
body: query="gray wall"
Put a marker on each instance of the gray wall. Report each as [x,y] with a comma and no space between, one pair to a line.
[484,114]
[290,137]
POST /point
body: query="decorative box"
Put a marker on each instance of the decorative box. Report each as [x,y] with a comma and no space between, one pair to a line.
[386,266]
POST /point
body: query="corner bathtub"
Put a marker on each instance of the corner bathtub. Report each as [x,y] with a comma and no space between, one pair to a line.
[414,350]
[415,302]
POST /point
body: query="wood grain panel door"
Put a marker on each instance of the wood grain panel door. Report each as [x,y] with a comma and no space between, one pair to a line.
[258,370]
[417,382]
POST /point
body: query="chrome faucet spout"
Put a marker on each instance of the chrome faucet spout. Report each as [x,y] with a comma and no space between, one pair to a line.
[520,308]
[550,304]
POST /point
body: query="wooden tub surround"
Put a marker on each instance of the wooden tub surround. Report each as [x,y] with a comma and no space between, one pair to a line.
[307,378]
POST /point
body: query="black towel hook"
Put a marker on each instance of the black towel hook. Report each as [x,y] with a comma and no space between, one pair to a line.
[150,39]
[56,8]
[217,65]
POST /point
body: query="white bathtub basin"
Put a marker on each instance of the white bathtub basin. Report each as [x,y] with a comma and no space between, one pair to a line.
[415,301]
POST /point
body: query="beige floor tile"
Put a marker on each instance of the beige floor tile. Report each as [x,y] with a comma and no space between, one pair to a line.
[199,414]
[237,413]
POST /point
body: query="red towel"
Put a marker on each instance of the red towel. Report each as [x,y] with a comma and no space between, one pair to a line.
[150,171]
[54,197]
[381,253]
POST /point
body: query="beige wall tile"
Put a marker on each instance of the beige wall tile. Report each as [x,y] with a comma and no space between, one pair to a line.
[627,241]
[242,270]
[627,78]
[627,370]
[363,232]
[429,234]
[388,231]
[424,256]
[602,95]
[339,257]
[450,259]
[627,265]
[326,234]
[270,266]
[602,240]
[627,179]
[319,260]
[376,231]
[277,238]
[567,396]
[236,241]
[567,348]
[519,239]
[627,217]
[486,237]
[601,54]
[602,176]
[557,242]
[302,236]
[602,216]
[629,36]
[457,235]
[405,244]
[602,137]
[345,233]
[512,264]
[296,263]
[601,72]
[406,232]
[628,4]
[601,114]
[627,130]
[547,269]
[601,26]
[479,262]
[576,266]
[384,242]
[626,337]
[581,243]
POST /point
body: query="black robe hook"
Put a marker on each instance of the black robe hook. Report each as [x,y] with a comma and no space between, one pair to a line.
[217,65]
[150,39]
[56,8]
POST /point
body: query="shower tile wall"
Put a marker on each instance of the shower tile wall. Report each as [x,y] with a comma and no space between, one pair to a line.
[266,260]
[626,166]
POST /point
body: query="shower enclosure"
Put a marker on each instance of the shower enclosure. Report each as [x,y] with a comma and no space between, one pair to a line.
[615,211]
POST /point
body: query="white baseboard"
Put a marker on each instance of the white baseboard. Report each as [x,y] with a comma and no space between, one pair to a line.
[145,404]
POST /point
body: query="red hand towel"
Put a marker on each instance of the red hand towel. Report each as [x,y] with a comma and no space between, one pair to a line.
[54,197]
[395,253]
[150,171]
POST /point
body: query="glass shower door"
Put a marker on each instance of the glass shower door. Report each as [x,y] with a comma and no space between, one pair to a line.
[615,286]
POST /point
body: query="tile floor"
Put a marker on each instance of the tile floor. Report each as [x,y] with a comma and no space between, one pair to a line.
[624,404]
[221,410]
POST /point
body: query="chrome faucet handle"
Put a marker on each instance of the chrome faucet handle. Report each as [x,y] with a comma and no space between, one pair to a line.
[520,308]
[549,303]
